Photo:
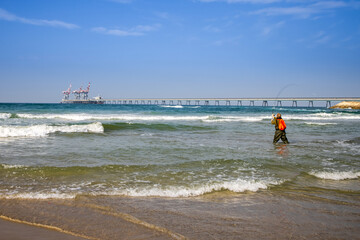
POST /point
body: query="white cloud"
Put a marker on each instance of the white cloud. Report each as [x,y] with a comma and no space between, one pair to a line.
[121,1]
[269,29]
[242,1]
[139,30]
[303,11]
[212,29]
[5,15]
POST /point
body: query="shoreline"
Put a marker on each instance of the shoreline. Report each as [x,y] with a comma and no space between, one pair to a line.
[19,230]
[222,215]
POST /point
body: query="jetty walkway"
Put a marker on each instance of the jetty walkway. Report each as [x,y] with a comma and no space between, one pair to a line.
[228,101]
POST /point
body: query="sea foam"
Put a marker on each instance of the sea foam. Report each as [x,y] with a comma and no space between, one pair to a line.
[237,186]
[44,130]
[5,115]
[336,175]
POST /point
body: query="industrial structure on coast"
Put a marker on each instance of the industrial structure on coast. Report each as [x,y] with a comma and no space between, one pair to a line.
[82,97]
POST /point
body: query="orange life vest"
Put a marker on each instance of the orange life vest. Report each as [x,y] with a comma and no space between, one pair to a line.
[281,124]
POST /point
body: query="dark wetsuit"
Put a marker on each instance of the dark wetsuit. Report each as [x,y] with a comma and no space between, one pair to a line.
[278,133]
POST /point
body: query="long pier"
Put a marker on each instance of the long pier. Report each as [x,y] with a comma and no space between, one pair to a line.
[228,101]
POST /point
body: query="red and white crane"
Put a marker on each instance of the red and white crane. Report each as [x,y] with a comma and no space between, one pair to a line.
[85,92]
[77,93]
[67,93]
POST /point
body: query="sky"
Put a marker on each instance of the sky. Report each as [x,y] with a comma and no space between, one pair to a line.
[179,48]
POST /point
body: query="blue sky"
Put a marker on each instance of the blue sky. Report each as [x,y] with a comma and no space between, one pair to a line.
[179,48]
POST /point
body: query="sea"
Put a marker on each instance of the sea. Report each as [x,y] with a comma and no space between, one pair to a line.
[199,172]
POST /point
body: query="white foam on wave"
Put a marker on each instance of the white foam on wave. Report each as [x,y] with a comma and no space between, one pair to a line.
[39,195]
[234,186]
[323,116]
[124,117]
[44,130]
[235,118]
[336,175]
[319,123]
[172,106]
[6,166]
[5,115]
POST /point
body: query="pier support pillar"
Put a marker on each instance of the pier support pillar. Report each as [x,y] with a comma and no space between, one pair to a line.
[311,103]
[239,103]
[252,103]
[163,102]
[197,102]
[188,102]
[217,102]
[294,104]
[179,102]
[278,103]
[149,102]
[265,103]
[206,103]
[227,103]
[328,104]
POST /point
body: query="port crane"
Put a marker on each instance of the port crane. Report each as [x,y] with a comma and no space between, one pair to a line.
[67,93]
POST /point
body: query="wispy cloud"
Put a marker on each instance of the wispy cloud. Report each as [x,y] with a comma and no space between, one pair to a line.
[269,29]
[303,11]
[121,1]
[212,29]
[242,1]
[139,30]
[226,41]
[7,16]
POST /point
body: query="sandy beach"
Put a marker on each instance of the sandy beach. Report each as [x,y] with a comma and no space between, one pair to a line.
[216,216]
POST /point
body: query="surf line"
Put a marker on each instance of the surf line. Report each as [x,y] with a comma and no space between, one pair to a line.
[134,220]
[46,227]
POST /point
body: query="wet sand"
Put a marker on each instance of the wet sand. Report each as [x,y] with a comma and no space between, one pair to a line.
[297,215]
[18,231]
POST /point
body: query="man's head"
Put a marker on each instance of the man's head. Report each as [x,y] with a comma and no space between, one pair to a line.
[278,115]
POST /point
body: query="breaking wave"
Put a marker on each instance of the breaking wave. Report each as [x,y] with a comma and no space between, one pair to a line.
[44,130]
[173,106]
[336,175]
[5,115]
[237,186]
[320,123]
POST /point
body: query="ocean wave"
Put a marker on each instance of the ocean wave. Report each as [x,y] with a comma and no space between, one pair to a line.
[238,186]
[5,115]
[63,192]
[235,119]
[323,116]
[6,166]
[319,123]
[123,117]
[153,126]
[39,195]
[172,106]
[44,130]
[336,175]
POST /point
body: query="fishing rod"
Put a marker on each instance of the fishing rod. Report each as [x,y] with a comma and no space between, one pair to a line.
[281,90]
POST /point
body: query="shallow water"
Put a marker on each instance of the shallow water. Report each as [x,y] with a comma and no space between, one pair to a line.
[194,157]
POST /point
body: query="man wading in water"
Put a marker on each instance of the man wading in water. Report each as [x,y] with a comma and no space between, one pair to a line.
[280,127]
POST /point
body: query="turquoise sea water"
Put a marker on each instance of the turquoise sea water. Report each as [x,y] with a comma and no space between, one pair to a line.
[65,150]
